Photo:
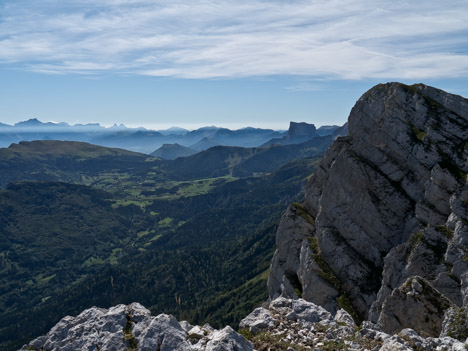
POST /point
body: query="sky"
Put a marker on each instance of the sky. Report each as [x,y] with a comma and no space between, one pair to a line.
[229,63]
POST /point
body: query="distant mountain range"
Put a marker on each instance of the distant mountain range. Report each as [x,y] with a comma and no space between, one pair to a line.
[147,141]
[71,161]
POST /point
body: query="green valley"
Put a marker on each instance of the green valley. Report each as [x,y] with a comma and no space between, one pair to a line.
[110,226]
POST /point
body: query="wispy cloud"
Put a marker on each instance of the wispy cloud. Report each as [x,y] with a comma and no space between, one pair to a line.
[342,39]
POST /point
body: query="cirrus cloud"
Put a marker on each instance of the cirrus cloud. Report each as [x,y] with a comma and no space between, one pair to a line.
[336,39]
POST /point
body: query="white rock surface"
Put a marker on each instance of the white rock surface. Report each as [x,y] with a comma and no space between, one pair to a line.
[133,328]
[344,317]
[258,319]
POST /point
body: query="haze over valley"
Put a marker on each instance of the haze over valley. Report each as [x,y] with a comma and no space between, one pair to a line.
[148,141]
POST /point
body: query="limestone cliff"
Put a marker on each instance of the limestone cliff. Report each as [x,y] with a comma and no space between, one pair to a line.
[383,230]
[298,132]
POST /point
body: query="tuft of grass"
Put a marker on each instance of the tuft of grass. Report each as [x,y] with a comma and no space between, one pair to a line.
[246,333]
[332,345]
[444,230]
[465,250]
[419,134]
[415,239]
[457,328]
[128,335]
[344,302]
[327,274]
[301,211]
[267,341]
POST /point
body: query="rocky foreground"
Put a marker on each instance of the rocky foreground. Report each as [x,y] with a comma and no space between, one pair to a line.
[283,324]
[133,328]
[300,325]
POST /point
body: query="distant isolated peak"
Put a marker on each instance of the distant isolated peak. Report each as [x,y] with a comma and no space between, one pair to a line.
[31,121]
[301,128]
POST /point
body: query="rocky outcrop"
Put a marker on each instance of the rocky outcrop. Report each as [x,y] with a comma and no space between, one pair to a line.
[287,324]
[133,328]
[298,132]
[301,130]
[383,228]
[282,324]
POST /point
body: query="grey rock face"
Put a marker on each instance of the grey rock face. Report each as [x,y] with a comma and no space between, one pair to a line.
[294,272]
[294,229]
[388,202]
[133,328]
[418,304]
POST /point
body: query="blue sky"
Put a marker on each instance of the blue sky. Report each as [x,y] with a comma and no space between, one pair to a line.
[226,63]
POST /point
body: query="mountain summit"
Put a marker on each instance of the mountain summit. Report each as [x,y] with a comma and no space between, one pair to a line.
[297,133]
[301,130]
[172,151]
[383,230]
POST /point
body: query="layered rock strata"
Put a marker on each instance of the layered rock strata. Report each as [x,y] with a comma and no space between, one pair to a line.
[383,230]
